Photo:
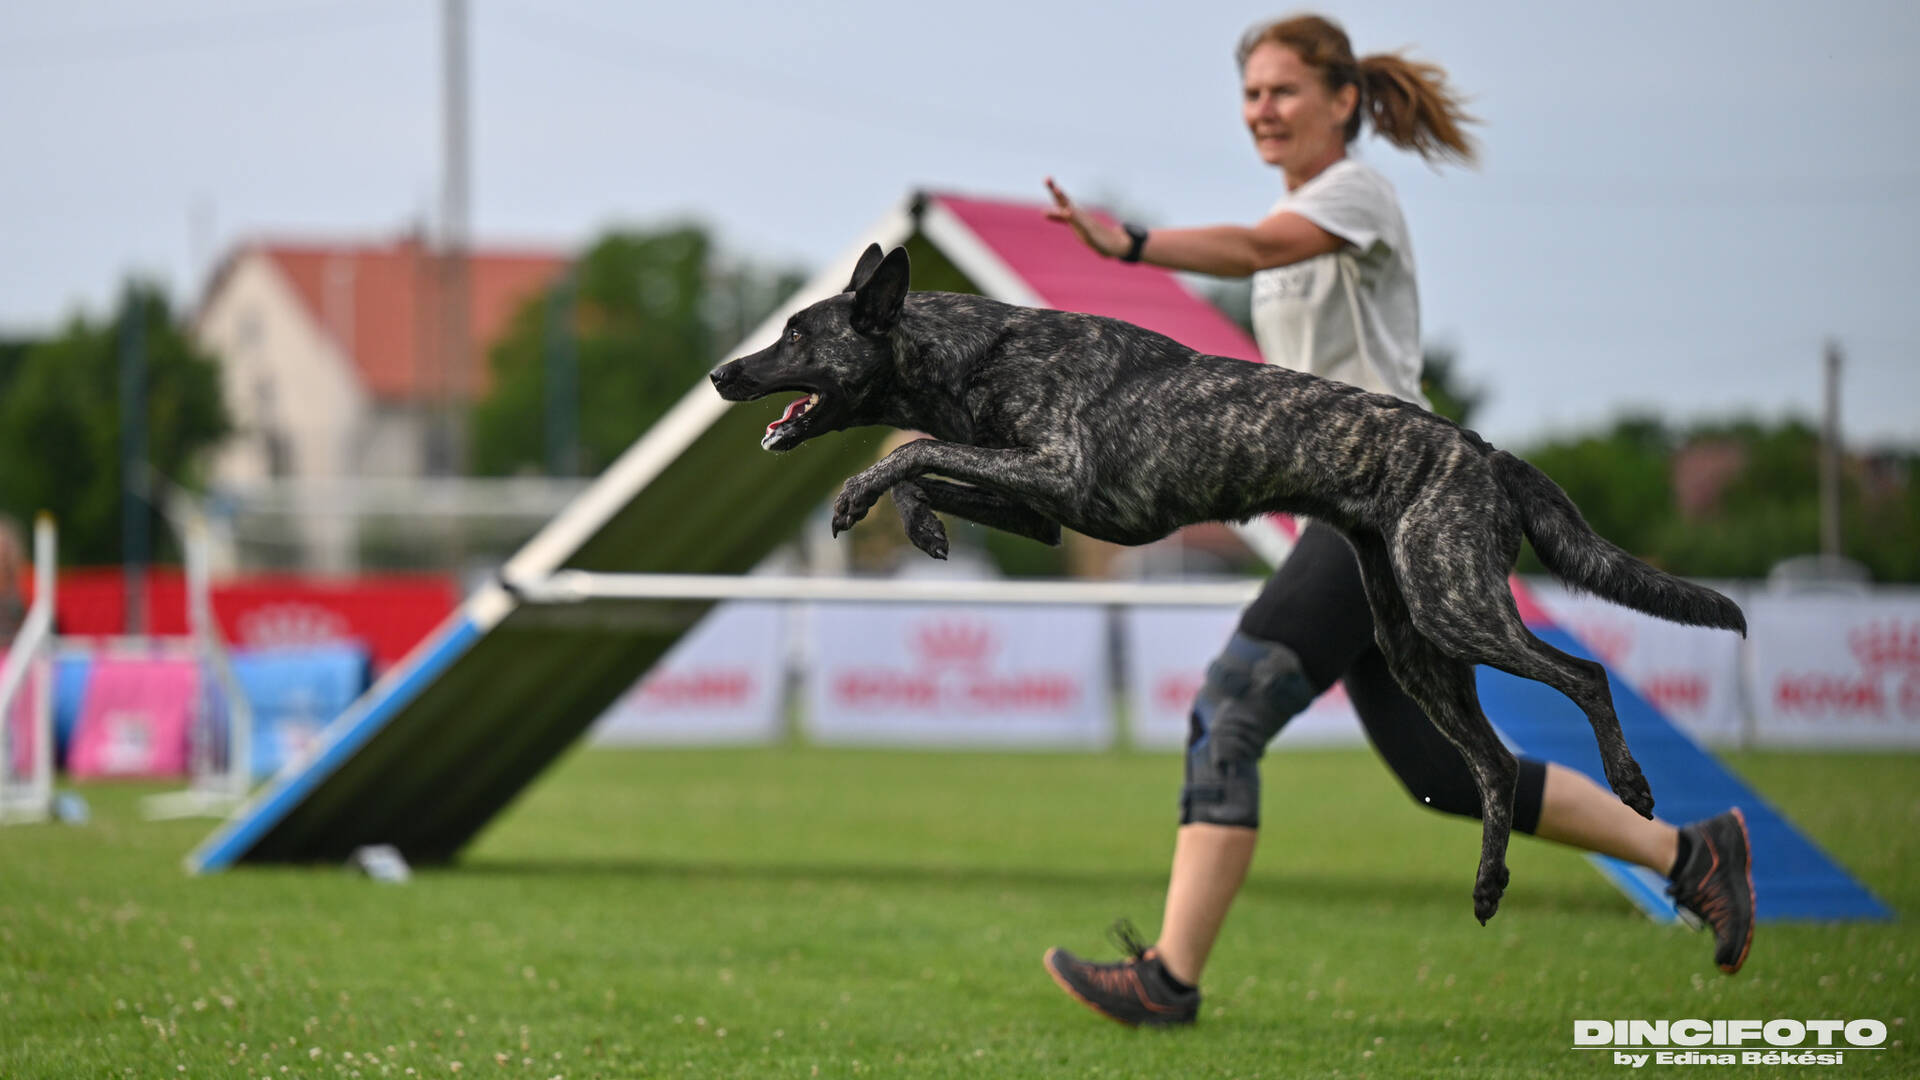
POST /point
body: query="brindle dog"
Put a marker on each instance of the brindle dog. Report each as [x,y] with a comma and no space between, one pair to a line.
[1041,419]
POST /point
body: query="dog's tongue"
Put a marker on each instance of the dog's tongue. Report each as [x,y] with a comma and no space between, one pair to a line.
[793,409]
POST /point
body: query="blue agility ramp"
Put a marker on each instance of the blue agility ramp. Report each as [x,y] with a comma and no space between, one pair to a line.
[1792,878]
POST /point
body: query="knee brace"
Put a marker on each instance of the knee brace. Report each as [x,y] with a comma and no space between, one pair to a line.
[1250,693]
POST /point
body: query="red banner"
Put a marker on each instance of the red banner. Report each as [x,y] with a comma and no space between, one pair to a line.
[390,613]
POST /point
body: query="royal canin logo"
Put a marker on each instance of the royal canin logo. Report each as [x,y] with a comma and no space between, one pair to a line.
[1611,641]
[1888,645]
[292,624]
[700,688]
[1175,691]
[1679,690]
[1886,689]
[951,668]
[951,641]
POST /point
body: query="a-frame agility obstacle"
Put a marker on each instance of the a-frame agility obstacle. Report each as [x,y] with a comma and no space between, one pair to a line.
[451,734]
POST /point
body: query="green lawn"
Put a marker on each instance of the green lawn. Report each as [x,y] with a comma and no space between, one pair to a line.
[802,912]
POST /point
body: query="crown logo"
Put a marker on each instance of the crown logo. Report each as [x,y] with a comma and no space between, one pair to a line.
[1609,640]
[292,624]
[954,642]
[1879,646]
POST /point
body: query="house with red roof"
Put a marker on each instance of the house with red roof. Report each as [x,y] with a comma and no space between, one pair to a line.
[334,361]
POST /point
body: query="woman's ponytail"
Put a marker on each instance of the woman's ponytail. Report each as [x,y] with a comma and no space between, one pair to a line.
[1409,103]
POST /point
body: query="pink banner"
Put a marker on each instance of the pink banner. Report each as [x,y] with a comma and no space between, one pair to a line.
[137,718]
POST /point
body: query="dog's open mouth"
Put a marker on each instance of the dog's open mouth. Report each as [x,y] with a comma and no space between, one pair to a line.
[786,432]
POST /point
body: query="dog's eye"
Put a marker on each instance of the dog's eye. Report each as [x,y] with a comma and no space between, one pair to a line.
[793,334]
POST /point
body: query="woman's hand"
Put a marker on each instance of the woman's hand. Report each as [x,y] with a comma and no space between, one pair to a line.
[1107,240]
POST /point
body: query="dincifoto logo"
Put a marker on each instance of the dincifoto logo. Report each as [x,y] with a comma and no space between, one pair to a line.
[1639,1043]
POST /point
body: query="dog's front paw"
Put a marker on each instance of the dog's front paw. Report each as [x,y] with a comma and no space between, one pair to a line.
[922,524]
[851,505]
[929,536]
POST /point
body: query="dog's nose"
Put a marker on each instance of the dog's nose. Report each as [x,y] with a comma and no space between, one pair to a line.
[719,376]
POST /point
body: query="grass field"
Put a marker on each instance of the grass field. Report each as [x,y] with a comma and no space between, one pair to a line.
[803,912]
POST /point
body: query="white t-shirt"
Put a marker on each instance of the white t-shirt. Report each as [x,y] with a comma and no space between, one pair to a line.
[1353,315]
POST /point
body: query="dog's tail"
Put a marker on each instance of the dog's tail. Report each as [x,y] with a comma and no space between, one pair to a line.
[1584,559]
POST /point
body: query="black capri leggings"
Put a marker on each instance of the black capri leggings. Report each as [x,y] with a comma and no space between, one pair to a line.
[1316,605]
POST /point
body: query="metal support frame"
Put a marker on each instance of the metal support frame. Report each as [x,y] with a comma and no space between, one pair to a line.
[30,798]
[216,785]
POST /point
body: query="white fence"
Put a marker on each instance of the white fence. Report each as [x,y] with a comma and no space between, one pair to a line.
[1815,672]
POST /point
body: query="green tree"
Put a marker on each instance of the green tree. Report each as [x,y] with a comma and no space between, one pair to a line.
[1447,389]
[1620,478]
[60,424]
[1766,511]
[649,312]
[13,354]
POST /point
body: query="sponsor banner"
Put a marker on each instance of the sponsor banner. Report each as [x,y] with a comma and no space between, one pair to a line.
[720,684]
[1691,674]
[958,675]
[389,613]
[294,694]
[1167,651]
[137,718]
[1836,671]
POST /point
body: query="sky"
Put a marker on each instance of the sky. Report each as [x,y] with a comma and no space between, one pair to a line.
[1678,202]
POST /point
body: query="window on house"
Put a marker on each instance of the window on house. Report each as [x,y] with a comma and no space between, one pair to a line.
[279,454]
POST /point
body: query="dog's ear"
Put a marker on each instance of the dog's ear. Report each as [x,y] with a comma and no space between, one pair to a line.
[877,301]
[862,270]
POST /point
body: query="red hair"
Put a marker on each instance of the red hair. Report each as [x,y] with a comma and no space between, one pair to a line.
[1408,102]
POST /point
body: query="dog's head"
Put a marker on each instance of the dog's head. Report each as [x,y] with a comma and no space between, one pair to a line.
[835,352]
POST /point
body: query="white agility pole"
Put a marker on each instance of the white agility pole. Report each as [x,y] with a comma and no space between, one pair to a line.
[218,782]
[29,669]
[579,586]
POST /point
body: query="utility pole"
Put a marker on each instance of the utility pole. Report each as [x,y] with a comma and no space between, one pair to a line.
[1830,456]
[134,510]
[455,325]
[562,381]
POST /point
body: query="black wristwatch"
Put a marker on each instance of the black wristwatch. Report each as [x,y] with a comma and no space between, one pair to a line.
[1139,237]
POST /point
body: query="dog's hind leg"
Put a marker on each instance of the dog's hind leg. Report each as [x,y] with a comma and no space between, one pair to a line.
[1585,682]
[1444,687]
[1466,607]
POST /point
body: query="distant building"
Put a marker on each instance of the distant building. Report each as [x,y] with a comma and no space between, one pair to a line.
[332,363]
[1701,473]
